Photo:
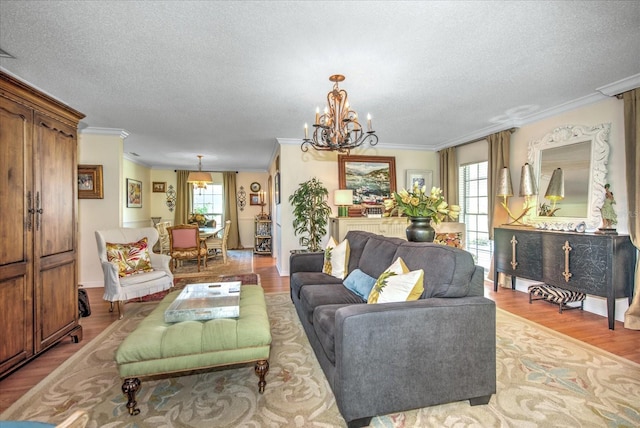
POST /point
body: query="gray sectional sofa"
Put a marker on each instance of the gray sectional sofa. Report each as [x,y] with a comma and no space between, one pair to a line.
[390,357]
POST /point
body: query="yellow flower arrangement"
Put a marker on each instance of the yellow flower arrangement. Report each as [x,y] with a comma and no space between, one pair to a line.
[198,218]
[419,203]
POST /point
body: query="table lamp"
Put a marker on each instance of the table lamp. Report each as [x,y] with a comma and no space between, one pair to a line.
[343,198]
[527,189]
[555,190]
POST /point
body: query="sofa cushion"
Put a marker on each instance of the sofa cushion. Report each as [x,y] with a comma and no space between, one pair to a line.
[301,279]
[447,270]
[131,258]
[324,322]
[336,258]
[379,252]
[357,240]
[392,287]
[360,283]
[313,296]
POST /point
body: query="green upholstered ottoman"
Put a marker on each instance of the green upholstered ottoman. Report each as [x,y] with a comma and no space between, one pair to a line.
[157,348]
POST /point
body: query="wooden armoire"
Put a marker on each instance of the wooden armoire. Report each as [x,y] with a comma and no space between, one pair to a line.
[38,231]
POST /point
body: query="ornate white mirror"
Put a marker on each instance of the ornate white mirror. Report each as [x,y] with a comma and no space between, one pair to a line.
[582,153]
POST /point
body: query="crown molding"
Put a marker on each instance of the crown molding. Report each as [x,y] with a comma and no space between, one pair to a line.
[116,132]
[622,85]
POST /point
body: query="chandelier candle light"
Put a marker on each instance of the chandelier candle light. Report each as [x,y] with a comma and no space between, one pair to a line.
[338,129]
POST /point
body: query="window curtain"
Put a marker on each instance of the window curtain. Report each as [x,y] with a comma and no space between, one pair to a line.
[231,209]
[183,198]
[449,175]
[632,156]
[499,144]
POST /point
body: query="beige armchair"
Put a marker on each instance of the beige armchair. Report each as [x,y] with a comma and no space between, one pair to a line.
[120,288]
[215,244]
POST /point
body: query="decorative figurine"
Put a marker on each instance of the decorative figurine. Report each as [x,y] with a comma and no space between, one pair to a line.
[609,217]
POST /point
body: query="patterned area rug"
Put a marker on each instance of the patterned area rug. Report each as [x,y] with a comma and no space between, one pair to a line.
[238,262]
[544,379]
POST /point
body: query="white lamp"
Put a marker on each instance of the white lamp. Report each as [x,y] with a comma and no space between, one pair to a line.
[343,198]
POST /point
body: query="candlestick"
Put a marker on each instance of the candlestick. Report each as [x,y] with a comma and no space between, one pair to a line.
[317,115]
[306,132]
[368,122]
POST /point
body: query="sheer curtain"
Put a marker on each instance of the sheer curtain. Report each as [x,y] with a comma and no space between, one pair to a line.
[632,155]
[449,175]
[231,208]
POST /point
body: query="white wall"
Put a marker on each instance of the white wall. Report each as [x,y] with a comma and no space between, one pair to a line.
[607,111]
[297,166]
[104,147]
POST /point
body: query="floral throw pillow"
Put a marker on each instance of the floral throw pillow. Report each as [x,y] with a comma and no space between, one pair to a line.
[131,258]
[336,258]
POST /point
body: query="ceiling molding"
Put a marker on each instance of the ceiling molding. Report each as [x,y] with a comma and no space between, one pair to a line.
[105,131]
[622,85]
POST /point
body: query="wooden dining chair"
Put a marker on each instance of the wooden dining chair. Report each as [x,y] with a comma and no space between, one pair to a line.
[185,244]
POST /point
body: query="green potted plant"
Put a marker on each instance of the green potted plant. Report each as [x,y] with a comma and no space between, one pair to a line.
[311,213]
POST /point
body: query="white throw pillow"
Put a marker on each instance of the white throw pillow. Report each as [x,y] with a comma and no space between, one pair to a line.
[336,258]
[397,284]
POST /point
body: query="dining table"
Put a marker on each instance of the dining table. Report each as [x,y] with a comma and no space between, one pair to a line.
[208,232]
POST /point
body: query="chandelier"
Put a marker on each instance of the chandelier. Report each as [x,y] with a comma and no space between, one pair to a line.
[338,128]
[199,178]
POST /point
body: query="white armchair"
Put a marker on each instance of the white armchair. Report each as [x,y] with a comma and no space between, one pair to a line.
[120,289]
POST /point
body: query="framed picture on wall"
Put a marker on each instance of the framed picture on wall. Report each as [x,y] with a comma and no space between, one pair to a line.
[159,186]
[372,178]
[276,188]
[421,177]
[134,193]
[90,182]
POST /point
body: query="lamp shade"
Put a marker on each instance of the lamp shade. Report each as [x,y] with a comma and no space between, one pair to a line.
[504,183]
[527,184]
[199,177]
[555,191]
[343,197]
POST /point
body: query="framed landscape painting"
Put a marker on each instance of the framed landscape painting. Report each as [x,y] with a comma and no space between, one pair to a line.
[134,193]
[372,178]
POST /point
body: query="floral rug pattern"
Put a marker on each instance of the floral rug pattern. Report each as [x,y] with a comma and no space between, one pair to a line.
[544,379]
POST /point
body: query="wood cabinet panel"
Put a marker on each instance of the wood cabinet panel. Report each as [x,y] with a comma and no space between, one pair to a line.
[38,238]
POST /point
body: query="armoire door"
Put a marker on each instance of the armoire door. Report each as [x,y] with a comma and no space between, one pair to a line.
[55,172]
[16,231]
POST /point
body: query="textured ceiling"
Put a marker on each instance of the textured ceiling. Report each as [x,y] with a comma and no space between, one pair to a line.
[226,79]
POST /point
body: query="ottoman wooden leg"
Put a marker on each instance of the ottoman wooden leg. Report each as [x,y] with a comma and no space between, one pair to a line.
[261,369]
[129,387]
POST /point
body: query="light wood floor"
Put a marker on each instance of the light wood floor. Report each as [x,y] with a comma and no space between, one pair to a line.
[580,325]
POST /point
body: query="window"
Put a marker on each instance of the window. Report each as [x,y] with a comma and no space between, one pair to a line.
[209,201]
[474,204]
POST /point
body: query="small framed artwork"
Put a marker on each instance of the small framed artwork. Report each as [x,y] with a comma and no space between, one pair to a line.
[254,199]
[421,177]
[372,178]
[276,188]
[134,193]
[159,186]
[90,182]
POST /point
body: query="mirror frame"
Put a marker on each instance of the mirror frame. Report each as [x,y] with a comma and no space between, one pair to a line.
[565,135]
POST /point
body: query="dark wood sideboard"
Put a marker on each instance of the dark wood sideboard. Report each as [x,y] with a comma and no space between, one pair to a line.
[600,265]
